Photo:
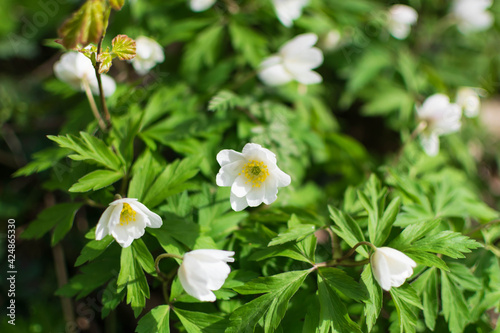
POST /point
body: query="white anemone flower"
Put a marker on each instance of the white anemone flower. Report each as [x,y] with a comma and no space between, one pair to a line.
[201,5]
[148,54]
[440,117]
[294,61]
[203,271]
[468,99]
[472,15]
[76,69]
[391,267]
[126,219]
[252,174]
[401,18]
[289,10]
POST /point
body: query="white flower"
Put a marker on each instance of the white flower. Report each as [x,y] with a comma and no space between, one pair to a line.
[253,176]
[148,54]
[332,40]
[201,5]
[289,10]
[391,267]
[472,15]
[441,117]
[468,99]
[76,70]
[401,18]
[295,61]
[202,271]
[126,219]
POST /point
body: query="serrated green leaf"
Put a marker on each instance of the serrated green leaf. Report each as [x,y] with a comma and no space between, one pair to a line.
[347,229]
[333,312]
[199,322]
[295,233]
[93,249]
[462,276]
[143,256]
[427,286]
[223,101]
[96,180]
[251,45]
[271,307]
[105,60]
[449,243]
[84,26]
[407,301]
[156,320]
[455,309]
[414,232]
[111,298]
[123,47]
[42,160]
[338,280]
[374,304]
[117,4]
[426,259]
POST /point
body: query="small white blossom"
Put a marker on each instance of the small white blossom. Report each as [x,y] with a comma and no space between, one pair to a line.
[289,10]
[203,271]
[440,117]
[148,54]
[391,267]
[468,99]
[332,40]
[76,70]
[252,174]
[472,15]
[201,5]
[126,219]
[295,61]
[401,18]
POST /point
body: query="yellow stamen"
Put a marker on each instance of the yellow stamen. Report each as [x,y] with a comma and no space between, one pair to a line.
[255,172]
[127,215]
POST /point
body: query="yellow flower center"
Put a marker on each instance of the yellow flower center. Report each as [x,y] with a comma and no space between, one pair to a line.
[127,215]
[255,172]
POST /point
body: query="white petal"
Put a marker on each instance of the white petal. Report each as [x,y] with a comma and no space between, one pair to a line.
[154,219]
[123,200]
[430,143]
[288,10]
[227,156]
[271,187]
[381,270]
[283,178]
[195,288]
[298,44]
[303,61]
[256,195]
[275,75]
[102,226]
[241,186]
[238,204]
[403,14]
[397,256]
[228,173]
[308,77]
[201,5]
[213,254]
[433,106]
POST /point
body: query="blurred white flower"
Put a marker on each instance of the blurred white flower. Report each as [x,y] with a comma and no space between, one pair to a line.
[148,54]
[468,99]
[391,267]
[295,61]
[332,40]
[126,219]
[401,18]
[440,117]
[472,15]
[201,5]
[253,176]
[203,271]
[289,10]
[76,70]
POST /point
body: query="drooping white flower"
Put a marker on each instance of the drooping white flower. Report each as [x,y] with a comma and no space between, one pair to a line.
[472,15]
[440,117]
[391,267]
[201,5]
[126,219]
[148,54]
[468,99]
[401,18]
[203,271]
[76,70]
[289,10]
[252,174]
[294,61]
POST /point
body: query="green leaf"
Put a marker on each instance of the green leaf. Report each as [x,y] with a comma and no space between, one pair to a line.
[455,309]
[333,312]
[406,300]
[156,320]
[223,101]
[117,4]
[60,216]
[199,322]
[89,148]
[96,180]
[42,160]
[171,180]
[248,43]
[449,243]
[296,232]
[347,229]
[427,286]
[338,280]
[123,47]
[111,298]
[143,256]
[426,259]
[414,232]
[93,249]
[462,276]
[84,26]
[271,307]
[105,60]
[143,174]
[374,304]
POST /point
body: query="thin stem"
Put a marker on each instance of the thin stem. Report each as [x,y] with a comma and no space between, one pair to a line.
[354,249]
[483,226]
[336,251]
[93,106]
[160,257]
[99,81]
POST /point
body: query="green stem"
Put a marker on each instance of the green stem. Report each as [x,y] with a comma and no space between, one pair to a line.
[483,226]
[93,106]
[160,257]
[99,82]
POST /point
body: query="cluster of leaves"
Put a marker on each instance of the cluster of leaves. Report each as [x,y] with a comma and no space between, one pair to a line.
[166,132]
